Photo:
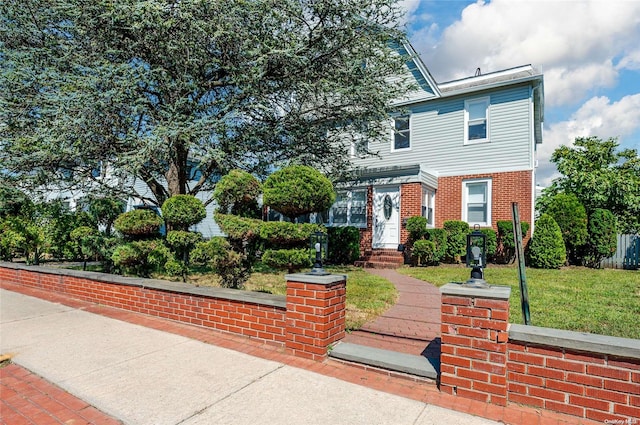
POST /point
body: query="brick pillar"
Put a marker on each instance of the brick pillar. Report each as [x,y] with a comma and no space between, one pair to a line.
[315,316]
[474,342]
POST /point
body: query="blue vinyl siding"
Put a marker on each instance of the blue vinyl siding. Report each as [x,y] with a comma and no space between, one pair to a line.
[437,136]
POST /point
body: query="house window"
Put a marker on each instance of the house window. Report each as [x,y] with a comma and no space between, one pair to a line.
[428,206]
[476,117]
[349,209]
[401,133]
[476,203]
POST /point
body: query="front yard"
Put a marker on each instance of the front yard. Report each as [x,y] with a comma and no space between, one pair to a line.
[605,301]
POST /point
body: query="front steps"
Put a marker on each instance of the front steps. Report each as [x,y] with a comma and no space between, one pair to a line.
[386,359]
[381,259]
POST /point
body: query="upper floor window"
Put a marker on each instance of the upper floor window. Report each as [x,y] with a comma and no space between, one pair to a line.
[476,202]
[476,120]
[401,133]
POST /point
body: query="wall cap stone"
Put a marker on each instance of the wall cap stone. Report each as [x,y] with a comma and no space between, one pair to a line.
[278,301]
[493,291]
[316,279]
[579,341]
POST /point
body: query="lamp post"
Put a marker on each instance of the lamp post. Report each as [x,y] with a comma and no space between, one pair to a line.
[477,257]
[319,243]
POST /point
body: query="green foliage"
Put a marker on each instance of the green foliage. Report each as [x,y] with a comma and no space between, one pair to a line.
[288,259]
[603,237]
[285,234]
[506,248]
[146,85]
[11,240]
[600,176]
[14,202]
[139,224]
[417,227]
[297,190]
[439,238]
[182,211]
[141,257]
[546,249]
[344,244]
[569,213]
[240,228]
[105,211]
[237,193]
[181,241]
[424,252]
[456,239]
[492,242]
[226,263]
[174,267]
[87,242]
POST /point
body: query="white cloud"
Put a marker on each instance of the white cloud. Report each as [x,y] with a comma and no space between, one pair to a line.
[576,42]
[597,117]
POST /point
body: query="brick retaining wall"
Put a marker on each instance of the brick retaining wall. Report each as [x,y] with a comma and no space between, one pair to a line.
[484,358]
[305,322]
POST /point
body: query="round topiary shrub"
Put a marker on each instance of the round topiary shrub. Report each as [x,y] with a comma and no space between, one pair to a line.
[237,193]
[138,224]
[287,259]
[297,190]
[546,248]
[182,211]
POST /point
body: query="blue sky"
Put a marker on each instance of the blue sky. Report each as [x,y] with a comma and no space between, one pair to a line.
[589,52]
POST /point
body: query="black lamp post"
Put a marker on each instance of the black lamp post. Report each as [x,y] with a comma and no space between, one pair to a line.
[477,257]
[319,243]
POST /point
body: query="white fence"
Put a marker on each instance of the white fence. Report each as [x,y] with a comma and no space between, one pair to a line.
[627,255]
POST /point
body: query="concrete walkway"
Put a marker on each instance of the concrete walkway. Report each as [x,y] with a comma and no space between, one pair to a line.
[140,375]
[411,326]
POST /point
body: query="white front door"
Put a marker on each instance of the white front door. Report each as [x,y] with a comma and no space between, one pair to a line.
[386,214]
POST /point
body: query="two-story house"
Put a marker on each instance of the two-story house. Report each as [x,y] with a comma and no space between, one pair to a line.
[464,150]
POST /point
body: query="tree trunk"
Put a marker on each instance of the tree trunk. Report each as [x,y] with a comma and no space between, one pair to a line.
[177,172]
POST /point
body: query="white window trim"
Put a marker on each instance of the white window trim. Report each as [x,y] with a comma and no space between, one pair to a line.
[349,196]
[467,103]
[430,194]
[465,201]
[393,133]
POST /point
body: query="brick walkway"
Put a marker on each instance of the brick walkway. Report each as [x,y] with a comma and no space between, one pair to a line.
[410,326]
[26,398]
[416,389]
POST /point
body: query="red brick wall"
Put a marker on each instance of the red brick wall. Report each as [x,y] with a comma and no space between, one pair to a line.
[506,188]
[480,362]
[588,385]
[314,317]
[473,356]
[366,234]
[410,205]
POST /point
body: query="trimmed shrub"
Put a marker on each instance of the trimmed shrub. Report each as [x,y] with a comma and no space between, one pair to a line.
[174,267]
[139,224]
[603,240]
[105,211]
[182,242]
[423,252]
[417,227]
[287,259]
[456,239]
[506,249]
[297,190]
[546,248]
[492,242]
[141,257]
[439,238]
[229,265]
[182,211]
[571,216]
[285,234]
[237,193]
[239,228]
[344,244]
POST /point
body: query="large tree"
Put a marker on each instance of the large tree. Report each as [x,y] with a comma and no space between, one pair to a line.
[172,91]
[600,175]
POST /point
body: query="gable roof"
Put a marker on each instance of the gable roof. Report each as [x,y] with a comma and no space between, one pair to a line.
[491,80]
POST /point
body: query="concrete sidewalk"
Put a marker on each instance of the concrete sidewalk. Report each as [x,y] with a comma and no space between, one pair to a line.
[145,376]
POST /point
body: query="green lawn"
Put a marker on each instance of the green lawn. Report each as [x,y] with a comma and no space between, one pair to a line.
[605,301]
[368,296]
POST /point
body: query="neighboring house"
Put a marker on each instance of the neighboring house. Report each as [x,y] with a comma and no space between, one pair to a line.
[464,150]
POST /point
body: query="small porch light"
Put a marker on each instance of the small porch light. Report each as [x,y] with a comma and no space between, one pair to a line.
[319,243]
[477,257]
